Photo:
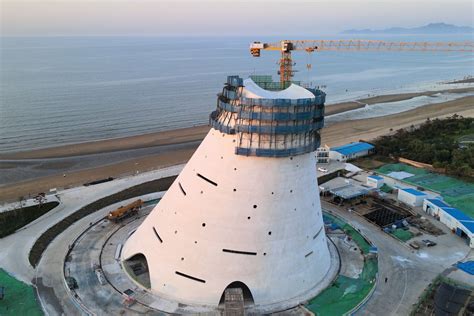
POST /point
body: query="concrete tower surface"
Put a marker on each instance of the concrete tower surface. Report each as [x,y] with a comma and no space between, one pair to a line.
[245,211]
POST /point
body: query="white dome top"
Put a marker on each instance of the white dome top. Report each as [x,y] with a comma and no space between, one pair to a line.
[254,91]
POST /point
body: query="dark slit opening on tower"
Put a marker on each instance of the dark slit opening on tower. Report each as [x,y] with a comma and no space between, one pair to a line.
[247,294]
[206,179]
[157,236]
[317,234]
[239,252]
[181,187]
[190,277]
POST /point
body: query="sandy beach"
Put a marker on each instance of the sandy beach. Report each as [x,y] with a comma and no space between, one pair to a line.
[192,134]
[66,166]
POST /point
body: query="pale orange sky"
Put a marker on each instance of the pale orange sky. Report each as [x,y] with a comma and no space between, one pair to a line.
[220,17]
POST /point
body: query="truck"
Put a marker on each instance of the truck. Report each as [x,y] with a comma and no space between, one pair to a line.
[125,211]
[100,276]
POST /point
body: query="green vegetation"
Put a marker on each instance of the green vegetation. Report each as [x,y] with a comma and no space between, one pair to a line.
[466,138]
[19,298]
[43,241]
[455,192]
[10,221]
[435,142]
[401,234]
[386,188]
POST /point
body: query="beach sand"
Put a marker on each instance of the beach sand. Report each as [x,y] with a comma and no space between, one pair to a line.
[333,135]
[191,134]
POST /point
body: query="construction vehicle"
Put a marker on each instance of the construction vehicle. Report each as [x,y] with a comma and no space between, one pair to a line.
[125,211]
[99,273]
[286,63]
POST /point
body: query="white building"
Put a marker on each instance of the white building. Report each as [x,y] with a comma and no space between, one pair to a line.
[245,211]
[411,196]
[456,220]
[351,151]
[375,181]
[322,155]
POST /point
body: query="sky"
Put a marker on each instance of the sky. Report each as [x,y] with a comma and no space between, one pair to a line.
[221,17]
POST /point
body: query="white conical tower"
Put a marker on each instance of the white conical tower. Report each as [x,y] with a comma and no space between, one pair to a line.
[245,210]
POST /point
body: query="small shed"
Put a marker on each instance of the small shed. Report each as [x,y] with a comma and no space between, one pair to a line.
[375,181]
[411,196]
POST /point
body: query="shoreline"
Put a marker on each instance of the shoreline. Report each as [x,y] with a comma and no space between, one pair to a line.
[190,134]
[61,176]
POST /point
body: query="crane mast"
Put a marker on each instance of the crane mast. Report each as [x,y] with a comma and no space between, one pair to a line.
[286,71]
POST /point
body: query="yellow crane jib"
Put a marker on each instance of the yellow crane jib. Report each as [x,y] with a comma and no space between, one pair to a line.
[310,46]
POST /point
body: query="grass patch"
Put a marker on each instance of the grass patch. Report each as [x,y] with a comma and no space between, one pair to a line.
[401,234]
[12,220]
[386,188]
[43,241]
[20,298]
[372,162]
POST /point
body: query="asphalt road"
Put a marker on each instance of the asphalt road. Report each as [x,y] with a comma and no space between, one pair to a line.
[408,271]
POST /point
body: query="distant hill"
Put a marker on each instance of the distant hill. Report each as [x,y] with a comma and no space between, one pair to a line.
[432,28]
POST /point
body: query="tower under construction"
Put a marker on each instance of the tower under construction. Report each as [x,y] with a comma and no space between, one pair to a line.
[245,210]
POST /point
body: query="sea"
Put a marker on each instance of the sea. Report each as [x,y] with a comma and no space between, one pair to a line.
[65,90]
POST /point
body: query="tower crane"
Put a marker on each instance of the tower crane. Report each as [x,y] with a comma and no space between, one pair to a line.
[287,46]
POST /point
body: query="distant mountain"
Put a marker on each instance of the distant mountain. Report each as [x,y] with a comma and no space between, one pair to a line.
[432,28]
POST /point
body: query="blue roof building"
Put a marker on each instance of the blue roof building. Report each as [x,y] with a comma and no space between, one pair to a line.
[375,181]
[437,202]
[351,151]
[375,177]
[414,192]
[464,219]
[411,196]
[459,222]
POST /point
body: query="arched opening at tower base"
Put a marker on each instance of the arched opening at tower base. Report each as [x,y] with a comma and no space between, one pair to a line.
[137,268]
[247,295]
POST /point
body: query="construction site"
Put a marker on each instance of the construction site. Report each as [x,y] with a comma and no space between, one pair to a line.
[253,223]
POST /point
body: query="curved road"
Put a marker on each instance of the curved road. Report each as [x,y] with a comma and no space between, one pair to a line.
[408,271]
